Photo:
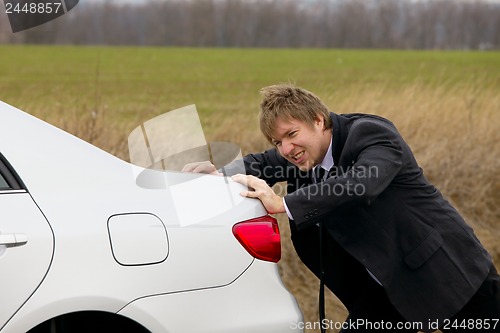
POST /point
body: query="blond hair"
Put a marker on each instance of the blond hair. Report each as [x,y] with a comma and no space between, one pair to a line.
[286,101]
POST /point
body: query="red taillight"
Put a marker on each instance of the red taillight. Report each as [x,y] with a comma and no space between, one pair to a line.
[260,237]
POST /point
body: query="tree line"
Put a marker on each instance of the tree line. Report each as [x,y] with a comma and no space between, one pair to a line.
[402,24]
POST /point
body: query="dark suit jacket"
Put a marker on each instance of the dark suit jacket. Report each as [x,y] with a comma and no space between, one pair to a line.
[381,210]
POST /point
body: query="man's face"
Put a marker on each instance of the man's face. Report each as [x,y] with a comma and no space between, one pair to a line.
[300,143]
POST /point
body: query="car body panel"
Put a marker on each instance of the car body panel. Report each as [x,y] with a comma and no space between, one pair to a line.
[256,302]
[20,216]
[81,188]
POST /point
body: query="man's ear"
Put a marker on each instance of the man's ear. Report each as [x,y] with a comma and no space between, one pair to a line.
[319,119]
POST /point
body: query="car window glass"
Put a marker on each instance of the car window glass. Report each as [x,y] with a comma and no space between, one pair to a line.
[3,184]
[8,180]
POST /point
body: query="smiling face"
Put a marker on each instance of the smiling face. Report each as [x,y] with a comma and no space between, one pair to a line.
[302,144]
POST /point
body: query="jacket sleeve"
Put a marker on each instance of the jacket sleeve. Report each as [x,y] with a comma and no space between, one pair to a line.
[374,150]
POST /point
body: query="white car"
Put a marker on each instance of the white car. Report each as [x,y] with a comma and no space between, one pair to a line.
[91,243]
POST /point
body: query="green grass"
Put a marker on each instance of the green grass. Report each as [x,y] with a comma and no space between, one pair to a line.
[149,81]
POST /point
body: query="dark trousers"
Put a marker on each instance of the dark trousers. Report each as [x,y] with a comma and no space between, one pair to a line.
[369,307]
[373,312]
[482,312]
[364,298]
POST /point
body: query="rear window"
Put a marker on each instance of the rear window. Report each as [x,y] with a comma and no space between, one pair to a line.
[8,178]
[3,184]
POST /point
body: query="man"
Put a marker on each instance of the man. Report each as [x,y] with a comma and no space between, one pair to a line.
[392,249]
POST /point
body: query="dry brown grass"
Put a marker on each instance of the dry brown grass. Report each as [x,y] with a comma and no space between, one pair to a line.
[92,124]
[454,134]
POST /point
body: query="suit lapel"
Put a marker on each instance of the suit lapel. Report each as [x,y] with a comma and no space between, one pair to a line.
[339,136]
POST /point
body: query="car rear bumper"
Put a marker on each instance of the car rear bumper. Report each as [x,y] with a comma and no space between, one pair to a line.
[255,302]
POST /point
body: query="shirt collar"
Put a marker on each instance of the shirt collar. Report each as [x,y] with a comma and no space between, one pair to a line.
[327,162]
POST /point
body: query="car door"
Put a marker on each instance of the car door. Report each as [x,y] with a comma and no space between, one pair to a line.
[26,244]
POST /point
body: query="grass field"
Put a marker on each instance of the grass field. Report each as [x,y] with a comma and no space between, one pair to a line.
[446,104]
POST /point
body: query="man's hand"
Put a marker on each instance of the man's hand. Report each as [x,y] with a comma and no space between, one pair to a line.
[201,167]
[258,188]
